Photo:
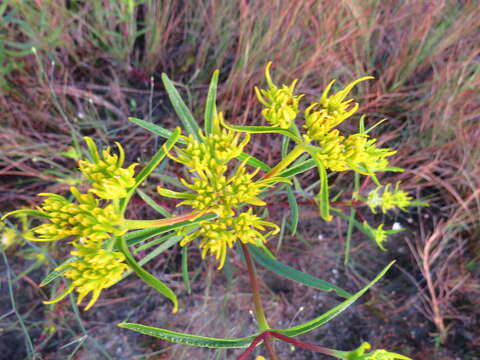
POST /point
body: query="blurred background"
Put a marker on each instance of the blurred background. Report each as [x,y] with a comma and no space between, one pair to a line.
[74,68]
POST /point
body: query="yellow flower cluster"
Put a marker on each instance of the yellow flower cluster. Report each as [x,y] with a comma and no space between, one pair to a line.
[356,152]
[389,200]
[359,354]
[96,269]
[212,151]
[91,220]
[218,189]
[106,175]
[216,235]
[85,219]
[281,106]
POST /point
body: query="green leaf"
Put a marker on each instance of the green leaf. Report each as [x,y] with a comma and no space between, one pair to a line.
[189,339]
[31,212]
[156,159]
[253,161]
[184,114]
[262,130]
[323,199]
[186,278]
[57,273]
[154,129]
[299,168]
[154,242]
[210,109]
[332,313]
[292,201]
[146,276]
[158,208]
[294,274]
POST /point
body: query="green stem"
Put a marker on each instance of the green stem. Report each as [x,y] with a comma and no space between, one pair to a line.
[145,224]
[259,312]
[291,157]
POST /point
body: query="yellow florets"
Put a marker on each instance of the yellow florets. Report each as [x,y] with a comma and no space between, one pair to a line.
[388,200]
[96,269]
[220,234]
[281,106]
[82,219]
[359,354]
[108,178]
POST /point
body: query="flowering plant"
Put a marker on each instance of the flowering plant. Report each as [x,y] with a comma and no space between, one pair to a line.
[224,188]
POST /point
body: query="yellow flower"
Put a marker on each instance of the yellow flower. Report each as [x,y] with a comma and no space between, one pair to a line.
[359,354]
[109,180]
[220,234]
[379,235]
[96,269]
[213,151]
[85,219]
[330,151]
[215,192]
[363,156]
[389,200]
[281,106]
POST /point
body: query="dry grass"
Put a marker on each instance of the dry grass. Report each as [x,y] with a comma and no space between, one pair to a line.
[96,63]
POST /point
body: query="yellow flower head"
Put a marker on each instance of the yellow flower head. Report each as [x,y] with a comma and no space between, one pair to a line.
[222,233]
[221,194]
[359,354]
[330,111]
[109,180]
[94,270]
[331,151]
[281,106]
[389,200]
[85,219]
[213,151]
[363,156]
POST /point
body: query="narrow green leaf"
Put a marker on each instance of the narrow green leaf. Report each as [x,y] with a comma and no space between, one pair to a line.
[154,129]
[253,161]
[57,273]
[189,339]
[146,276]
[184,114]
[185,276]
[31,212]
[285,142]
[262,130]
[210,104]
[292,201]
[332,313]
[153,242]
[323,198]
[298,169]
[294,274]
[150,202]
[174,194]
[156,159]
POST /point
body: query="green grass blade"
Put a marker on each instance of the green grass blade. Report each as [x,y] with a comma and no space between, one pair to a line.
[294,274]
[329,315]
[210,104]
[184,114]
[292,201]
[185,276]
[189,339]
[145,275]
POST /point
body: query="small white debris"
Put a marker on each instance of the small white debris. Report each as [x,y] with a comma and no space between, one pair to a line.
[397,226]
[320,237]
